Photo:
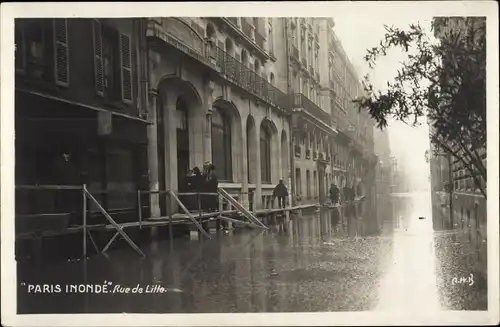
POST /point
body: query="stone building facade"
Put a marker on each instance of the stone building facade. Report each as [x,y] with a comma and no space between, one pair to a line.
[332,141]
[212,98]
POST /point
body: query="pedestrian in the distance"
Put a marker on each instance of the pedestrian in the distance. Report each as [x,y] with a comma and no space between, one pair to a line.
[281,192]
[334,194]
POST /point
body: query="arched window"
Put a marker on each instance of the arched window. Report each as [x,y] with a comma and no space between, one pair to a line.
[265,155]
[221,145]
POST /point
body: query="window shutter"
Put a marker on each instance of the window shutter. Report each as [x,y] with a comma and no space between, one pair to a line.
[20,57]
[126,68]
[98,65]
[61,52]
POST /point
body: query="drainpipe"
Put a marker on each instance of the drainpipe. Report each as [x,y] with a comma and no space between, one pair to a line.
[291,174]
[150,110]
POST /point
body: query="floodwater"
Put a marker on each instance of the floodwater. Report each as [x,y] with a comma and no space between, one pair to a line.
[331,260]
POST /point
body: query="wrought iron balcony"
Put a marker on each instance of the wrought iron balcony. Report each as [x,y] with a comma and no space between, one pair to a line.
[249,80]
[301,101]
[308,153]
[298,151]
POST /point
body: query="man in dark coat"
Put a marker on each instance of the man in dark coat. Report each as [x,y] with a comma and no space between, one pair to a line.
[281,192]
[211,185]
[334,194]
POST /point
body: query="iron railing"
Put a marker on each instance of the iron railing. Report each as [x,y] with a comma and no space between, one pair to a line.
[301,101]
[248,79]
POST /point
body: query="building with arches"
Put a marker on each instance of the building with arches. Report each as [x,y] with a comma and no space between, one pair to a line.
[212,98]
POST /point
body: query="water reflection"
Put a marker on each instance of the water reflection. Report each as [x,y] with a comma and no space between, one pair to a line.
[332,260]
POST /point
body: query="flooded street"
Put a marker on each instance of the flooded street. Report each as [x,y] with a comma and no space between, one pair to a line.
[332,260]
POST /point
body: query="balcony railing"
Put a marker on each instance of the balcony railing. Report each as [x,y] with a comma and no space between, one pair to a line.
[246,28]
[298,151]
[248,80]
[301,101]
[308,153]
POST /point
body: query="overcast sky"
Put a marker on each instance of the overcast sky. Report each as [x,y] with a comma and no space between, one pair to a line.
[365,30]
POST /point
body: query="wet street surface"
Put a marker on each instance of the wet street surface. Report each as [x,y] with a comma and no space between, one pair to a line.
[333,260]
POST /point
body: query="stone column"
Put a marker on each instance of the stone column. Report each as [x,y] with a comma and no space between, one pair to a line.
[152,131]
[244,169]
[170,141]
[207,149]
[258,179]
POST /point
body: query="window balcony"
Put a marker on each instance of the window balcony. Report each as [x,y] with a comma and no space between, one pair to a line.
[308,153]
[299,100]
[248,79]
[298,151]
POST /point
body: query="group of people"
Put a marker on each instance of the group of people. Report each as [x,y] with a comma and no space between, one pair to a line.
[348,193]
[202,182]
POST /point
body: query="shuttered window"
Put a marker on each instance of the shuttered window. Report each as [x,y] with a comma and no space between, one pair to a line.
[98,66]
[126,68]
[61,52]
[20,56]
